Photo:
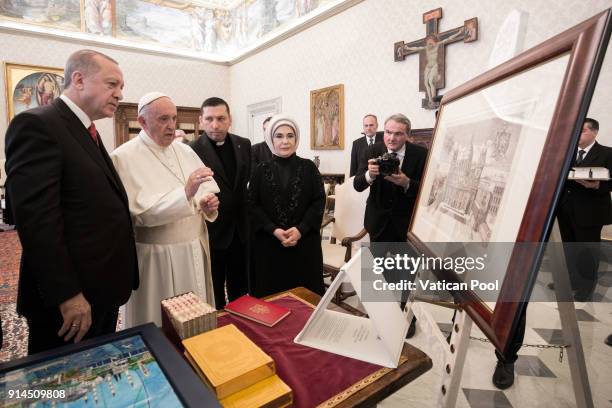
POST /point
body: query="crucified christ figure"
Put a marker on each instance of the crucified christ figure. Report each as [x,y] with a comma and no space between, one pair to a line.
[431,72]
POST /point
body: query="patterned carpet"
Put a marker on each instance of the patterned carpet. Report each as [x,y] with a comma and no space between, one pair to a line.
[14,328]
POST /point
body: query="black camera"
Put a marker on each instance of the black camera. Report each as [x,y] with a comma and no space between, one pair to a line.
[388,164]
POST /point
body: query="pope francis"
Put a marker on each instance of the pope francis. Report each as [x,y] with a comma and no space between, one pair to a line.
[171,195]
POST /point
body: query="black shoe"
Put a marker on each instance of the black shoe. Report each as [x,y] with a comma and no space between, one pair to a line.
[411,329]
[582,295]
[503,377]
[551,286]
[608,341]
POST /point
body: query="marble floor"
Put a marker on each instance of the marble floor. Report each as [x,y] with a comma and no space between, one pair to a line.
[541,379]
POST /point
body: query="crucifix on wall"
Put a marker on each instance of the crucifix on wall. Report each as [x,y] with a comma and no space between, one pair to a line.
[432,50]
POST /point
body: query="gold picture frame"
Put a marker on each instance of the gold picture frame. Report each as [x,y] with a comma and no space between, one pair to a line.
[29,86]
[327,118]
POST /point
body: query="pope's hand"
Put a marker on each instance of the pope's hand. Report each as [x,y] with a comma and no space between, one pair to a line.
[196,178]
[209,203]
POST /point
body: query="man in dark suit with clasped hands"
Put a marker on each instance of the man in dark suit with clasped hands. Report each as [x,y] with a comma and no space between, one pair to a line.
[79,259]
[229,156]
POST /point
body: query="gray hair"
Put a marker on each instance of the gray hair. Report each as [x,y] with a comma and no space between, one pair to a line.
[400,118]
[84,62]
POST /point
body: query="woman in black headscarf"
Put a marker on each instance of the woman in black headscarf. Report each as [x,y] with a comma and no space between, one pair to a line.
[286,200]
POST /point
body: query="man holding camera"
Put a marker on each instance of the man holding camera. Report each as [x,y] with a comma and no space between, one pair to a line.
[393,173]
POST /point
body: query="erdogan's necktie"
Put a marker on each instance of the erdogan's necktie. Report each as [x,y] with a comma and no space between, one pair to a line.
[93,132]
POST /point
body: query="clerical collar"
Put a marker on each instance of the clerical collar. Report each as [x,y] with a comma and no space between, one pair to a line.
[150,142]
[215,143]
[83,117]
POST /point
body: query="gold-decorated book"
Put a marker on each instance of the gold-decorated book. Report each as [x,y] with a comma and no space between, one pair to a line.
[227,360]
[268,393]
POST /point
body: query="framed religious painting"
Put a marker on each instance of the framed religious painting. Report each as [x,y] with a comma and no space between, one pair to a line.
[501,151]
[29,86]
[327,118]
[134,367]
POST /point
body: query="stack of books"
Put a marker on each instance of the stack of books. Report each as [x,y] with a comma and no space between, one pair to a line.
[236,370]
[189,314]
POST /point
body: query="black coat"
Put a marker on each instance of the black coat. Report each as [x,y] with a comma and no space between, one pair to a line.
[232,216]
[588,207]
[260,152]
[360,146]
[299,204]
[388,205]
[71,212]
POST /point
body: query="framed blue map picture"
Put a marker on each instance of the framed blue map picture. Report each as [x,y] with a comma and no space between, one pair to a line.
[135,367]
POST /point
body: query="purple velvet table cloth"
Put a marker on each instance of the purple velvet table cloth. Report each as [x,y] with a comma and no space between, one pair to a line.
[315,376]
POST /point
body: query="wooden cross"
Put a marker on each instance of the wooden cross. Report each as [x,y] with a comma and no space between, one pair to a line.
[432,50]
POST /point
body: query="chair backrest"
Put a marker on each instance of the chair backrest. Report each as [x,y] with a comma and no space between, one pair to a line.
[349,210]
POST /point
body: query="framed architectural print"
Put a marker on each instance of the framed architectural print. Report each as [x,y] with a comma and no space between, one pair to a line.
[29,86]
[327,118]
[134,367]
[501,151]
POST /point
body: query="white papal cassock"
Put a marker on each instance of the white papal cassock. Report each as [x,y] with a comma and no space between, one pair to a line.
[171,234]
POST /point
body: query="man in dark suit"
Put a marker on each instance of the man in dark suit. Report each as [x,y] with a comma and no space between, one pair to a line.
[229,156]
[260,152]
[392,197]
[585,207]
[360,145]
[71,210]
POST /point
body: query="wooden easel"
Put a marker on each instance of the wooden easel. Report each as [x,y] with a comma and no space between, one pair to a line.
[569,323]
[453,354]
